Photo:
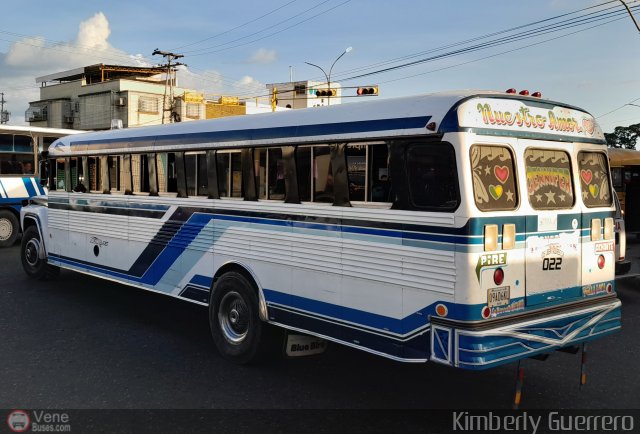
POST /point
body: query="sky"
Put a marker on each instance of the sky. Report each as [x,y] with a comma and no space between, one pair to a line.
[236,48]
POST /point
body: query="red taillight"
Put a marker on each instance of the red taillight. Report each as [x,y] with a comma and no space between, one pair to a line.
[601,262]
[511,90]
[537,94]
[524,92]
[498,276]
[486,312]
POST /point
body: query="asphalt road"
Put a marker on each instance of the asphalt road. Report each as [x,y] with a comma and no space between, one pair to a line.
[80,342]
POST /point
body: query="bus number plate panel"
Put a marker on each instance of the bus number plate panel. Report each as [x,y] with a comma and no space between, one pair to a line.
[498,296]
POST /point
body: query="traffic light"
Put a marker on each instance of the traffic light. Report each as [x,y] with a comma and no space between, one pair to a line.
[367,91]
[326,92]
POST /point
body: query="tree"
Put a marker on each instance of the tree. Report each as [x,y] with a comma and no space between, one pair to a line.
[623,137]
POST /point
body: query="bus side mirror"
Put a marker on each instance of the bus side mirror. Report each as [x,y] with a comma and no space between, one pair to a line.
[44,172]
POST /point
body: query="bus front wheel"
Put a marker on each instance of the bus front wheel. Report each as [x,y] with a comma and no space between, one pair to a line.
[32,264]
[237,330]
[9,228]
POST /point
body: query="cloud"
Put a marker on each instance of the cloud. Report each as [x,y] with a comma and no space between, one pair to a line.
[264,56]
[34,56]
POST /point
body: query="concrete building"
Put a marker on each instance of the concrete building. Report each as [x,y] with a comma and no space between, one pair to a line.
[98,96]
[304,94]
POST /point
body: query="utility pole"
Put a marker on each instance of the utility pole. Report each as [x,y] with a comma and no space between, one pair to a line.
[169,83]
[4,115]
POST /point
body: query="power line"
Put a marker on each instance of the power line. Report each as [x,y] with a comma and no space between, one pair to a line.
[579,21]
[236,27]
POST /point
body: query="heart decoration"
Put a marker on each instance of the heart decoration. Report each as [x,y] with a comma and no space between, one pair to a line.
[586,175]
[495,191]
[594,190]
[502,173]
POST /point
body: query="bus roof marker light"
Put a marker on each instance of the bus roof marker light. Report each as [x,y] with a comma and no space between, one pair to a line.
[524,92]
[537,94]
[431,126]
[510,90]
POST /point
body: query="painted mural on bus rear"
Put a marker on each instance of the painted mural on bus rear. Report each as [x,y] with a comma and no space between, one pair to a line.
[470,229]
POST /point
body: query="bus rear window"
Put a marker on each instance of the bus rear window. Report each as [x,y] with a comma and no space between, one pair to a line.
[494,178]
[549,184]
[594,179]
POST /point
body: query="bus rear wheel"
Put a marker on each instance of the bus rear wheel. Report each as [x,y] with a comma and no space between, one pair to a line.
[9,228]
[32,264]
[236,328]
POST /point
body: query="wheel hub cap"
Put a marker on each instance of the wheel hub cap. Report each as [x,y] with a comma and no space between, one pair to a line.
[6,229]
[233,317]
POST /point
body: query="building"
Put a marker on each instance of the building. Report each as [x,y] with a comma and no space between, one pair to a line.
[304,94]
[100,96]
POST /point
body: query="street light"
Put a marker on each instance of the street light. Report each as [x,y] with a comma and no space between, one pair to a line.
[328,76]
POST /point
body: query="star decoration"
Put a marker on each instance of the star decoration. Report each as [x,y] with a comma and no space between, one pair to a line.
[487,170]
[539,197]
[584,195]
[509,194]
[598,175]
[562,197]
[550,197]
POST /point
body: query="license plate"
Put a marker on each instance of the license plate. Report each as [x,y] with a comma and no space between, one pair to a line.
[498,296]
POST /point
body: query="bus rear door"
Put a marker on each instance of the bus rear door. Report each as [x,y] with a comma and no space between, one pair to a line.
[553,243]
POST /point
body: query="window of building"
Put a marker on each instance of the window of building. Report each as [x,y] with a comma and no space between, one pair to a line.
[300,89]
[494,178]
[594,179]
[147,104]
[549,180]
[432,177]
[193,110]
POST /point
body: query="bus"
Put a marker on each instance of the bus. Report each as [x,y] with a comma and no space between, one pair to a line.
[470,229]
[625,175]
[19,148]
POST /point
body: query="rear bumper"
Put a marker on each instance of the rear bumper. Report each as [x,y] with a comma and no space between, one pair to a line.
[493,343]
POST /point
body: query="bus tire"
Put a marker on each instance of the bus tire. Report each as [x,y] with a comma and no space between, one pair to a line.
[32,264]
[9,228]
[236,328]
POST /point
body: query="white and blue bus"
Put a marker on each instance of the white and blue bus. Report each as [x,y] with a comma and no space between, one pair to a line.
[19,148]
[466,228]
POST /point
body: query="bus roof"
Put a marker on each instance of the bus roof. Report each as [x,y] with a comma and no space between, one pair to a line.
[24,129]
[421,115]
[623,157]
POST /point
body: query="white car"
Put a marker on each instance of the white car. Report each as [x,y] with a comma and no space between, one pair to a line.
[622,265]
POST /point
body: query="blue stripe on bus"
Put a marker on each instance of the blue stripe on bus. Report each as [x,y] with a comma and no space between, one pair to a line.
[29,186]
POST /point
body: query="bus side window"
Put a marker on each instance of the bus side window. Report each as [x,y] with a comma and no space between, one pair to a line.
[303,171]
[432,176]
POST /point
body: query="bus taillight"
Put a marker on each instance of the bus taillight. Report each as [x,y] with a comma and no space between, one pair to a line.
[601,262]
[498,276]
